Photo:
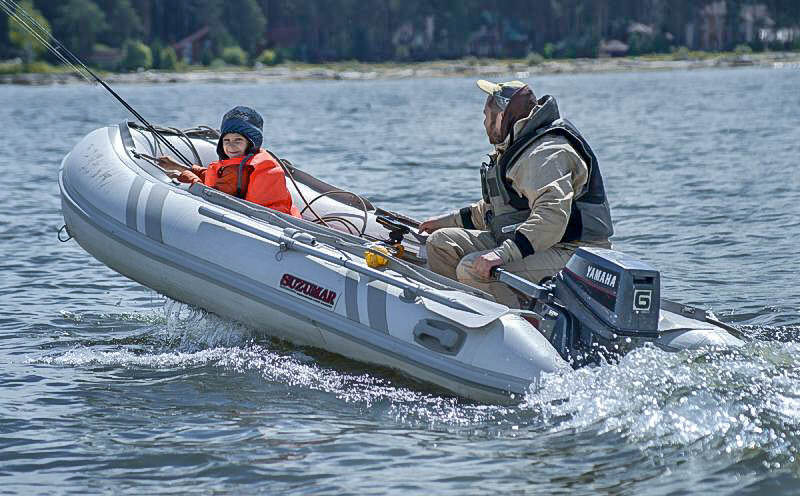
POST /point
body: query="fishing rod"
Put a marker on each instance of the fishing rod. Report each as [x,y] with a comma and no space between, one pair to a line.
[46,38]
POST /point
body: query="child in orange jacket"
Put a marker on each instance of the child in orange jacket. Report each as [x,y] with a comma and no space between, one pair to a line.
[244,169]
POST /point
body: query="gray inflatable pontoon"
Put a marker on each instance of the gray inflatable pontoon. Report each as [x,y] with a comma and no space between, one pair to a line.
[303,281]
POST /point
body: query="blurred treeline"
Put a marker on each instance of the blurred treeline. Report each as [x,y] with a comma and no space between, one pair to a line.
[168,34]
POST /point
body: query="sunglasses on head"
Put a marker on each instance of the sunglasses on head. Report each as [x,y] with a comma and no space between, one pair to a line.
[501,101]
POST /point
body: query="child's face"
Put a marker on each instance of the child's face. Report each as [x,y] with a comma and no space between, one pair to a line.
[234,145]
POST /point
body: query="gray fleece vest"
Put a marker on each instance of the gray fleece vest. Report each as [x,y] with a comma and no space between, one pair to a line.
[590,216]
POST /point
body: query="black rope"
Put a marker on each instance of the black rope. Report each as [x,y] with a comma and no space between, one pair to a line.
[64,228]
[182,135]
[338,191]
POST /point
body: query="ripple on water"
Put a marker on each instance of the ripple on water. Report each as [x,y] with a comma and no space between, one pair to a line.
[115,394]
[736,403]
[184,337]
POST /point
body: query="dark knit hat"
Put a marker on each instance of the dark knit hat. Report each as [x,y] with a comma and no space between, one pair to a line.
[244,121]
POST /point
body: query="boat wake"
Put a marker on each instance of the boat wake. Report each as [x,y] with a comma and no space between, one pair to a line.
[179,336]
[738,402]
[741,402]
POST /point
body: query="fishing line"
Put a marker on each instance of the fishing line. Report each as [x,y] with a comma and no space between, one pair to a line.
[11,11]
[30,24]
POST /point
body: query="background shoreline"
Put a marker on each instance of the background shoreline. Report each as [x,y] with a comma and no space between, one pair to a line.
[464,67]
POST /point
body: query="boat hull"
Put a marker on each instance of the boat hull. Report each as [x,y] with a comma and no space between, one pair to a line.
[150,231]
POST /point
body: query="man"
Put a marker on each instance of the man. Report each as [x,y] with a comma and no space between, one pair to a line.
[543,197]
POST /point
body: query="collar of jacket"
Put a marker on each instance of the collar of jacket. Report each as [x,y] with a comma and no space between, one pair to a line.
[542,115]
[260,156]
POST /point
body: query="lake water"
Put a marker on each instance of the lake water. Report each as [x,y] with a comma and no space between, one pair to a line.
[106,387]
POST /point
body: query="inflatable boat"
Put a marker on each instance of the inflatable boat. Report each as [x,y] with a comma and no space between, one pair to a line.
[350,277]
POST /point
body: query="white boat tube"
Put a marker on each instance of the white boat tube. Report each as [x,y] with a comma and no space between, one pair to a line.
[292,279]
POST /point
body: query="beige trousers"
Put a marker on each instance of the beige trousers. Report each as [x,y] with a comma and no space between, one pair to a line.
[452,252]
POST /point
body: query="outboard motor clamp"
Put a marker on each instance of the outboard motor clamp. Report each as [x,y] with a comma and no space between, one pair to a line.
[613,301]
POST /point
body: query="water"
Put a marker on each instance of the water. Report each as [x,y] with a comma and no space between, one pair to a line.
[106,387]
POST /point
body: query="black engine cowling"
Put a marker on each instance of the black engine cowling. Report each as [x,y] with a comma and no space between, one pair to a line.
[613,301]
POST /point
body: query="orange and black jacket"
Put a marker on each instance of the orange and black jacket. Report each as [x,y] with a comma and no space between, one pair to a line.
[257,178]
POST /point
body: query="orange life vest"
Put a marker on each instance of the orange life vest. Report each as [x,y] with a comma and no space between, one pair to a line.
[256,178]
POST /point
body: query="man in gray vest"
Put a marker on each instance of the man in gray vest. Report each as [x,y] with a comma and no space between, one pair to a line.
[543,197]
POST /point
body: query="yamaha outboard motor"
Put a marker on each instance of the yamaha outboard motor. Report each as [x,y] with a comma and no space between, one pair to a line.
[605,303]
[613,303]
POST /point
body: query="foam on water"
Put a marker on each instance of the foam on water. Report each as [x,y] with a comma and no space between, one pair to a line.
[742,402]
[721,408]
[181,336]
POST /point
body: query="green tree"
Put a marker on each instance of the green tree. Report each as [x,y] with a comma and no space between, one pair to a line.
[270,57]
[136,55]
[156,48]
[210,13]
[246,23]
[321,30]
[234,55]
[78,24]
[124,23]
[22,38]
[168,59]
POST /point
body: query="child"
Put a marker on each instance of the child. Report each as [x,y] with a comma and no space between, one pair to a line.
[244,169]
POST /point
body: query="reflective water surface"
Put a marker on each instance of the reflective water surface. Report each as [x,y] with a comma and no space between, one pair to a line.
[107,387]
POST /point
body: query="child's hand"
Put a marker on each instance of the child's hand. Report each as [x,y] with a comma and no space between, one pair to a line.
[169,164]
[188,177]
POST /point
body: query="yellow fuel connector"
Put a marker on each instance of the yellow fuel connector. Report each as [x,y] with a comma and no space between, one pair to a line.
[373,259]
